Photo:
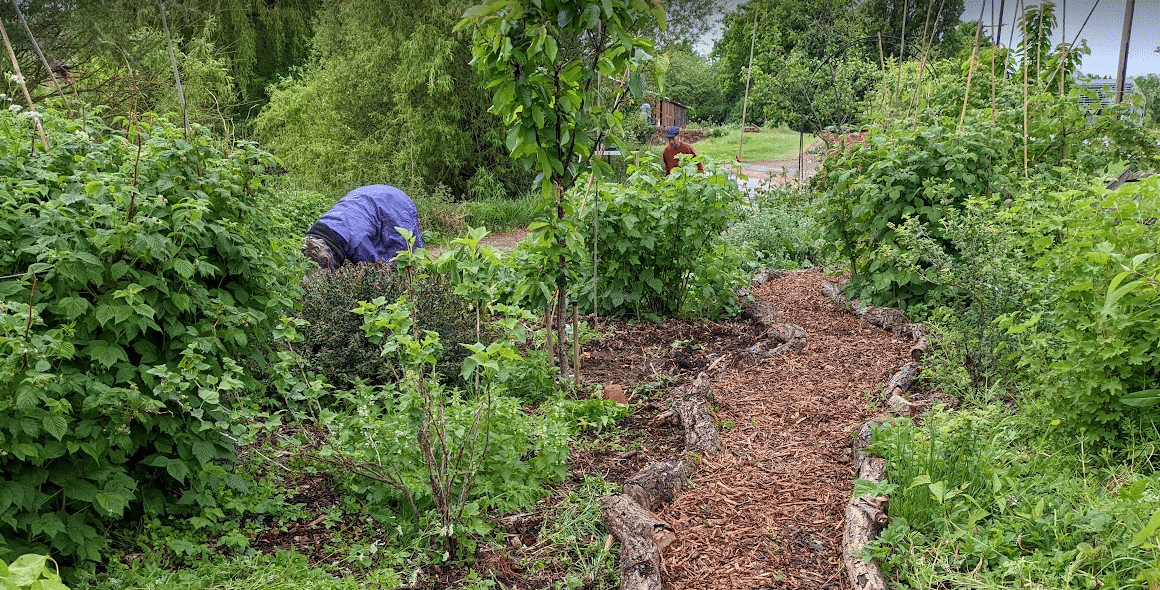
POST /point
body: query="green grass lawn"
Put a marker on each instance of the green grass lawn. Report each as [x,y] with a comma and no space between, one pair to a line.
[770,144]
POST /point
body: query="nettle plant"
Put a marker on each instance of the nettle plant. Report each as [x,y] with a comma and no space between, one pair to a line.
[136,273]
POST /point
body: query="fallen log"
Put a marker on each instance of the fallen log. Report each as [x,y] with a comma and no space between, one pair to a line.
[865,516]
[692,406]
[659,483]
[886,318]
[900,381]
[642,535]
[628,515]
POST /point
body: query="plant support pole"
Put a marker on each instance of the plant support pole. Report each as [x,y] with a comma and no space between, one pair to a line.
[176,73]
[748,76]
[1125,37]
[24,87]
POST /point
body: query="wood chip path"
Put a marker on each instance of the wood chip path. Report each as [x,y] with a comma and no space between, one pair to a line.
[767,512]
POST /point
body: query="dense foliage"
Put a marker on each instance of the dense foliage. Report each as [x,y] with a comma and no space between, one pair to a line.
[659,251]
[136,272]
[333,342]
[389,97]
[115,54]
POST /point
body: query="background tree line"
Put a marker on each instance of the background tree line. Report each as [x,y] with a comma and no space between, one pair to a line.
[346,92]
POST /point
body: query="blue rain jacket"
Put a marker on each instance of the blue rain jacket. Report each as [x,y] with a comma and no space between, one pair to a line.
[363,223]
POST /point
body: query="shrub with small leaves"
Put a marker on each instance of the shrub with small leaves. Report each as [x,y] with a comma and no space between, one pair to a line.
[334,343]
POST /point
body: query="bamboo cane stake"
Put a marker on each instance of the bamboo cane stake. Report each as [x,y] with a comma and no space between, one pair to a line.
[748,76]
[40,54]
[1026,161]
[176,73]
[971,67]
[24,87]
[576,342]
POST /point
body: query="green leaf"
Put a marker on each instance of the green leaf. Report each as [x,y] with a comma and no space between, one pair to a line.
[27,568]
[1149,529]
[1141,399]
[73,307]
[114,503]
[636,84]
[56,425]
[106,353]
[183,267]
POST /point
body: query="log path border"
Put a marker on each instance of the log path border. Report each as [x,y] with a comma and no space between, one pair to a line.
[866,515]
[628,515]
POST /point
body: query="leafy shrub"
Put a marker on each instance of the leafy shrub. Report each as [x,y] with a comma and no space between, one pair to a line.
[906,172]
[660,245]
[440,216]
[334,342]
[1100,332]
[978,272]
[137,267]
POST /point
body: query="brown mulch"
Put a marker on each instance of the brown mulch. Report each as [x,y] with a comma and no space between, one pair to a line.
[767,512]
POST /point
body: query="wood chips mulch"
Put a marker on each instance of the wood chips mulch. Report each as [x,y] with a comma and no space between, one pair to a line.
[767,512]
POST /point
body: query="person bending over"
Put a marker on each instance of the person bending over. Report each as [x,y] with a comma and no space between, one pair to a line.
[361,228]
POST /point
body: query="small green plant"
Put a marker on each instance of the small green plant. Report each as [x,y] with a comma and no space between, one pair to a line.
[31,572]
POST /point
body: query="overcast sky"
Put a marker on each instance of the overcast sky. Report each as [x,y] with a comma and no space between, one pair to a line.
[1102,31]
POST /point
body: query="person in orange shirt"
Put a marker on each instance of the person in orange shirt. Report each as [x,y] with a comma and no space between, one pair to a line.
[676,146]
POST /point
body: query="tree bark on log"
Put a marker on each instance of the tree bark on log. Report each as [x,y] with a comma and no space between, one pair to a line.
[865,517]
[659,483]
[641,537]
[628,515]
[692,406]
[900,382]
[884,317]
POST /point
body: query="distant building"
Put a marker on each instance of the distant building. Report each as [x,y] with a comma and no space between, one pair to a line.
[1102,92]
[669,112]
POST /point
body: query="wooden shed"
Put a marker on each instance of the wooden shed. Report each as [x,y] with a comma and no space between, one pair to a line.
[668,112]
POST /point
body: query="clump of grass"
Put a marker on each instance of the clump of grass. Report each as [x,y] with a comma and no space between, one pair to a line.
[502,214]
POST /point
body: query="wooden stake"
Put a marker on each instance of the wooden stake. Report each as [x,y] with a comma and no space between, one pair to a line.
[1125,36]
[576,342]
[748,76]
[971,67]
[24,87]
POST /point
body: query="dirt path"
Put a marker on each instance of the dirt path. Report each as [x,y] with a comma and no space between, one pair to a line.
[767,512]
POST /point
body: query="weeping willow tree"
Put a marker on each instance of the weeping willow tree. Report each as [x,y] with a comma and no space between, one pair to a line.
[389,97]
[114,52]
